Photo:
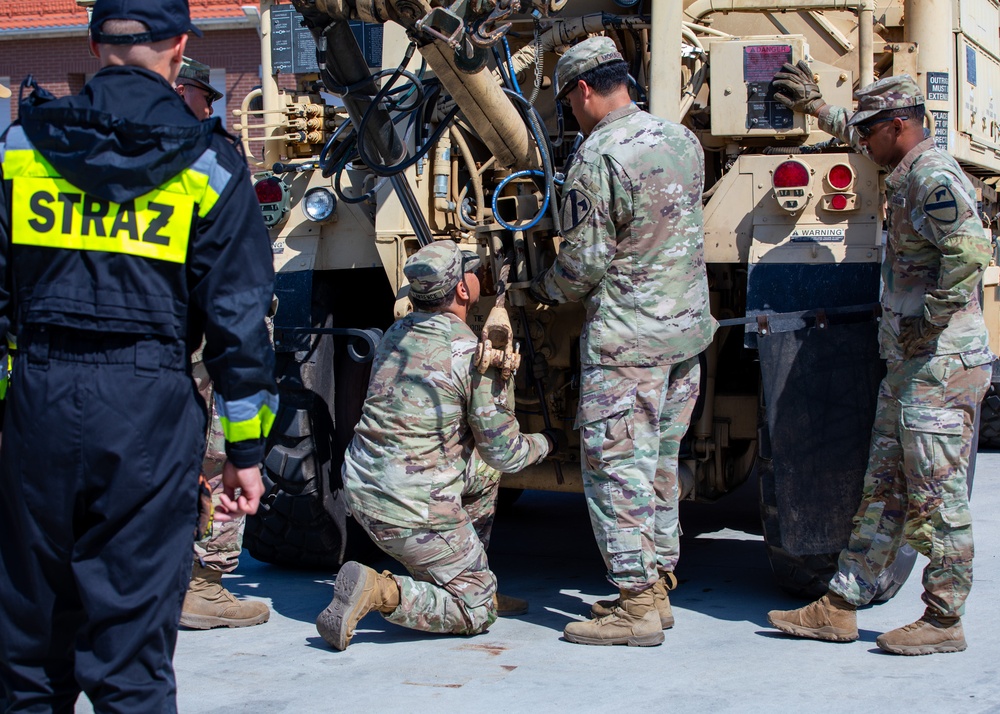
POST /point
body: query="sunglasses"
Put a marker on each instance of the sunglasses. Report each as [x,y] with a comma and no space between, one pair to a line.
[865,129]
[204,92]
[564,100]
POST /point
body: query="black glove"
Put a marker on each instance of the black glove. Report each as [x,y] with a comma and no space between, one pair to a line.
[540,367]
[916,335]
[796,89]
[538,295]
[557,440]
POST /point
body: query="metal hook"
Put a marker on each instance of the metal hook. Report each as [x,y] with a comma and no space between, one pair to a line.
[494,27]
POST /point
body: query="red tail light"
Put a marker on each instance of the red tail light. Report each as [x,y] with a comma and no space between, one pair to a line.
[791,174]
[838,202]
[840,177]
[268,190]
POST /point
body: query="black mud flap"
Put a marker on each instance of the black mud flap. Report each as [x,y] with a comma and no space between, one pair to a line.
[820,387]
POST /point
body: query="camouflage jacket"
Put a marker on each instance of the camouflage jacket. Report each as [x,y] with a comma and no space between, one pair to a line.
[427,408]
[633,243]
[937,247]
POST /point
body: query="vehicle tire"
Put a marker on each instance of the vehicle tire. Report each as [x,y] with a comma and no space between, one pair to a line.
[303,519]
[989,420]
[808,576]
[294,525]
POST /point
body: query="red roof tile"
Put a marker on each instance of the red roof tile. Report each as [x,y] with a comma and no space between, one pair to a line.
[41,14]
[64,14]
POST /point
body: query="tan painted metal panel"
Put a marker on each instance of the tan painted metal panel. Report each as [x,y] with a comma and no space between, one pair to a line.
[979,94]
[978,20]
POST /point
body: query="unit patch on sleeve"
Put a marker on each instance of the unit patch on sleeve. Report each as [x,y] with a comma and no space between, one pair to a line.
[941,205]
[577,207]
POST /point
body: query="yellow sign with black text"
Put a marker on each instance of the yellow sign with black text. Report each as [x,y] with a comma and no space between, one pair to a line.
[52,213]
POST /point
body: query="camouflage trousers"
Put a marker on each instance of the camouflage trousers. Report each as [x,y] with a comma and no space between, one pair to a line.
[221,550]
[631,423]
[915,488]
[451,586]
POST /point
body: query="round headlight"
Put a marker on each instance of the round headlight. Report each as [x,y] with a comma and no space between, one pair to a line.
[319,204]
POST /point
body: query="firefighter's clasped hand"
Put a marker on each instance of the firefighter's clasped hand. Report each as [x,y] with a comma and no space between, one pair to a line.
[796,88]
[243,489]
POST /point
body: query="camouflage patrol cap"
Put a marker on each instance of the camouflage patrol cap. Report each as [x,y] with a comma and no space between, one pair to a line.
[198,74]
[897,92]
[435,269]
[581,58]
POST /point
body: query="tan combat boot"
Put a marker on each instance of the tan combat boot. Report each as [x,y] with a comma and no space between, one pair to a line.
[634,622]
[931,634]
[830,618]
[207,604]
[357,591]
[667,582]
[508,606]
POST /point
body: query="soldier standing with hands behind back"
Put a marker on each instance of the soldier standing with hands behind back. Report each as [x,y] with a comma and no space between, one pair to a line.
[938,369]
[633,250]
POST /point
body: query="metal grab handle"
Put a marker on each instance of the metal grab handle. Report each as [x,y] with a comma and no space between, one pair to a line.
[244,129]
[370,337]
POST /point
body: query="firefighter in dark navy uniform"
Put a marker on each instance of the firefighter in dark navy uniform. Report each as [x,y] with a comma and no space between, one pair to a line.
[128,230]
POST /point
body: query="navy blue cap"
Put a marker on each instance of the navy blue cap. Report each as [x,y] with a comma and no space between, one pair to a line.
[164,18]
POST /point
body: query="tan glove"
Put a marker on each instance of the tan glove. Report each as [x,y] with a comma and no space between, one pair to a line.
[917,335]
[795,88]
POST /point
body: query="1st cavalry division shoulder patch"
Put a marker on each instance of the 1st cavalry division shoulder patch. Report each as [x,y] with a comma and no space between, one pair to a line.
[577,207]
[941,205]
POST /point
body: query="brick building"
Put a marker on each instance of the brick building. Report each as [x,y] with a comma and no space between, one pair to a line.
[48,40]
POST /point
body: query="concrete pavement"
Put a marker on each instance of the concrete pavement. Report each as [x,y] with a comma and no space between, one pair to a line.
[720,657]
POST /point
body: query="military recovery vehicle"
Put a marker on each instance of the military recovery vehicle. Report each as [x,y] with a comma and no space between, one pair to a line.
[383,125]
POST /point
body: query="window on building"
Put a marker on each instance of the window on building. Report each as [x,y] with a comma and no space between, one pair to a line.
[218,80]
[5,104]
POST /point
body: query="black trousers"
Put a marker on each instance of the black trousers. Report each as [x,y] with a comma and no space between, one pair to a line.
[102,443]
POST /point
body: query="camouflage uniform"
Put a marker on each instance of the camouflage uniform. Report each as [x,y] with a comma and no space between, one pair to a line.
[221,550]
[633,250]
[422,471]
[915,487]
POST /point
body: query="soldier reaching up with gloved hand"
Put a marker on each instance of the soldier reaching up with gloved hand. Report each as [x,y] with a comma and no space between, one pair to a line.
[939,365]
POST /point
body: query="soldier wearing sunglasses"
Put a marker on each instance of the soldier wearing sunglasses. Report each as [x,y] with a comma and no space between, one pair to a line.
[935,343]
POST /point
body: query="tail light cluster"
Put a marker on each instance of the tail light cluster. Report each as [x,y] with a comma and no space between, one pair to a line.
[792,182]
[272,194]
[840,178]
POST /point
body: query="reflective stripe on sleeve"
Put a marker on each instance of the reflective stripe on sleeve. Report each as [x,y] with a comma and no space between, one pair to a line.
[248,418]
[5,380]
